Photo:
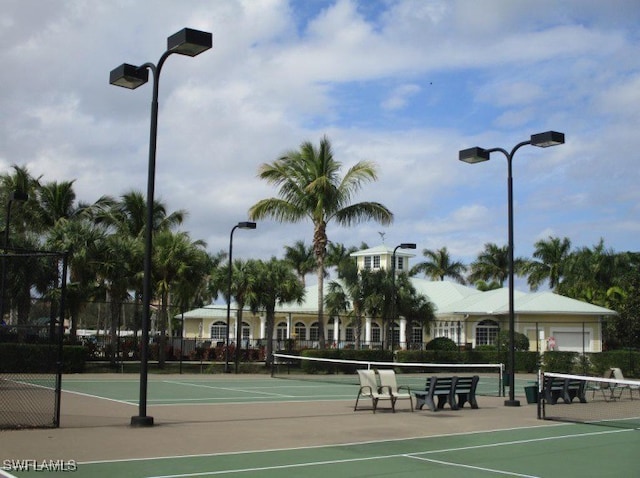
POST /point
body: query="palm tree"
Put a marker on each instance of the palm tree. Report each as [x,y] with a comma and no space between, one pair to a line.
[552,255]
[411,305]
[85,241]
[347,296]
[590,273]
[439,265]
[127,217]
[276,284]
[244,282]
[301,259]
[492,264]
[339,256]
[310,187]
[173,255]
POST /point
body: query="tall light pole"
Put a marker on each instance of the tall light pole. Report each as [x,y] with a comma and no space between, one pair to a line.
[478,155]
[187,42]
[13,197]
[404,245]
[240,225]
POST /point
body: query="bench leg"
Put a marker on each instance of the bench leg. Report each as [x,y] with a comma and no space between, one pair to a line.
[429,402]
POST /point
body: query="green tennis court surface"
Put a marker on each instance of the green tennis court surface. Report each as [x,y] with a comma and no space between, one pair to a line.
[177,390]
[558,451]
[227,425]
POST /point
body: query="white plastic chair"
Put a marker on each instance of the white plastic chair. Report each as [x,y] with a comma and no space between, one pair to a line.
[617,374]
[388,381]
[369,388]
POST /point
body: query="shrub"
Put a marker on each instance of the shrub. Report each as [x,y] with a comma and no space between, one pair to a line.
[442,343]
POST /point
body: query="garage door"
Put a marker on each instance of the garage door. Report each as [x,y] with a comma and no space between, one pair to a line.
[572,341]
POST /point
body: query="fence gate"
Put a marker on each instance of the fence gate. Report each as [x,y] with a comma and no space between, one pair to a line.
[31,337]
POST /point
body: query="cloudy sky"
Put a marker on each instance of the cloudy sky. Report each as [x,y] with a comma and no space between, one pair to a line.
[403,83]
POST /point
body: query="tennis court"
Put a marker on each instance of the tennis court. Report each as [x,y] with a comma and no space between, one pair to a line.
[211,425]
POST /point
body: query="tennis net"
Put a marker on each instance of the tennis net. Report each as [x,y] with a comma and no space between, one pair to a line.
[584,399]
[413,375]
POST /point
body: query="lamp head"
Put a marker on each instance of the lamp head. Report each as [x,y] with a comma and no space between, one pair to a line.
[407,245]
[246,225]
[473,155]
[129,76]
[189,42]
[546,139]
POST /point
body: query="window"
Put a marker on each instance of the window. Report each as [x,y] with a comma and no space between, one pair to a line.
[376,336]
[246,331]
[281,331]
[487,332]
[313,332]
[399,263]
[300,330]
[446,328]
[416,333]
[395,333]
[376,262]
[218,331]
[349,333]
[367,262]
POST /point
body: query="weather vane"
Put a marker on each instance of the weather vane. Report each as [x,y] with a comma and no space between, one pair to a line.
[382,234]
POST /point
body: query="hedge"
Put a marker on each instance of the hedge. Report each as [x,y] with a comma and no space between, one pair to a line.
[40,358]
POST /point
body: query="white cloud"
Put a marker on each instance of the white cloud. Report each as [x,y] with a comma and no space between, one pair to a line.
[284,72]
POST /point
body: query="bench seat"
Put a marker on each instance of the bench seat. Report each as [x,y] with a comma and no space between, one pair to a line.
[555,388]
[456,391]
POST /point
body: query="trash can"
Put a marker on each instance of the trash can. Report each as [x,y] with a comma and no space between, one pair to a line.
[531,392]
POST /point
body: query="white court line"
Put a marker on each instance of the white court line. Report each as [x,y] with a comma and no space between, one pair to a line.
[401,455]
[228,389]
[99,397]
[471,467]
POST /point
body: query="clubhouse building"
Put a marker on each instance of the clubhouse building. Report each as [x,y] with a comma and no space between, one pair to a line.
[469,317]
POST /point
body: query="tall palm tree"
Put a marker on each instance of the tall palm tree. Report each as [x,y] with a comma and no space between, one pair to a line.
[276,284]
[310,187]
[126,216]
[439,265]
[301,259]
[551,255]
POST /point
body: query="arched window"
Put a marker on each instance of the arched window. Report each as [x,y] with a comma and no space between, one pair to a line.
[281,331]
[246,331]
[300,330]
[350,332]
[218,331]
[487,332]
[394,330]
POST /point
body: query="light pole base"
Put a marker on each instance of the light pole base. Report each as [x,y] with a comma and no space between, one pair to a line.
[512,403]
[140,422]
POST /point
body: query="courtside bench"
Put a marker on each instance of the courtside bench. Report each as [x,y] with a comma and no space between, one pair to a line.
[555,388]
[456,391]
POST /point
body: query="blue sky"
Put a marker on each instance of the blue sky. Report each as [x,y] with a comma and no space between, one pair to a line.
[403,83]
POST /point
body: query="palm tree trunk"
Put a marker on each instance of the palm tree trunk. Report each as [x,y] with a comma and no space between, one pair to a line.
[320,251]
